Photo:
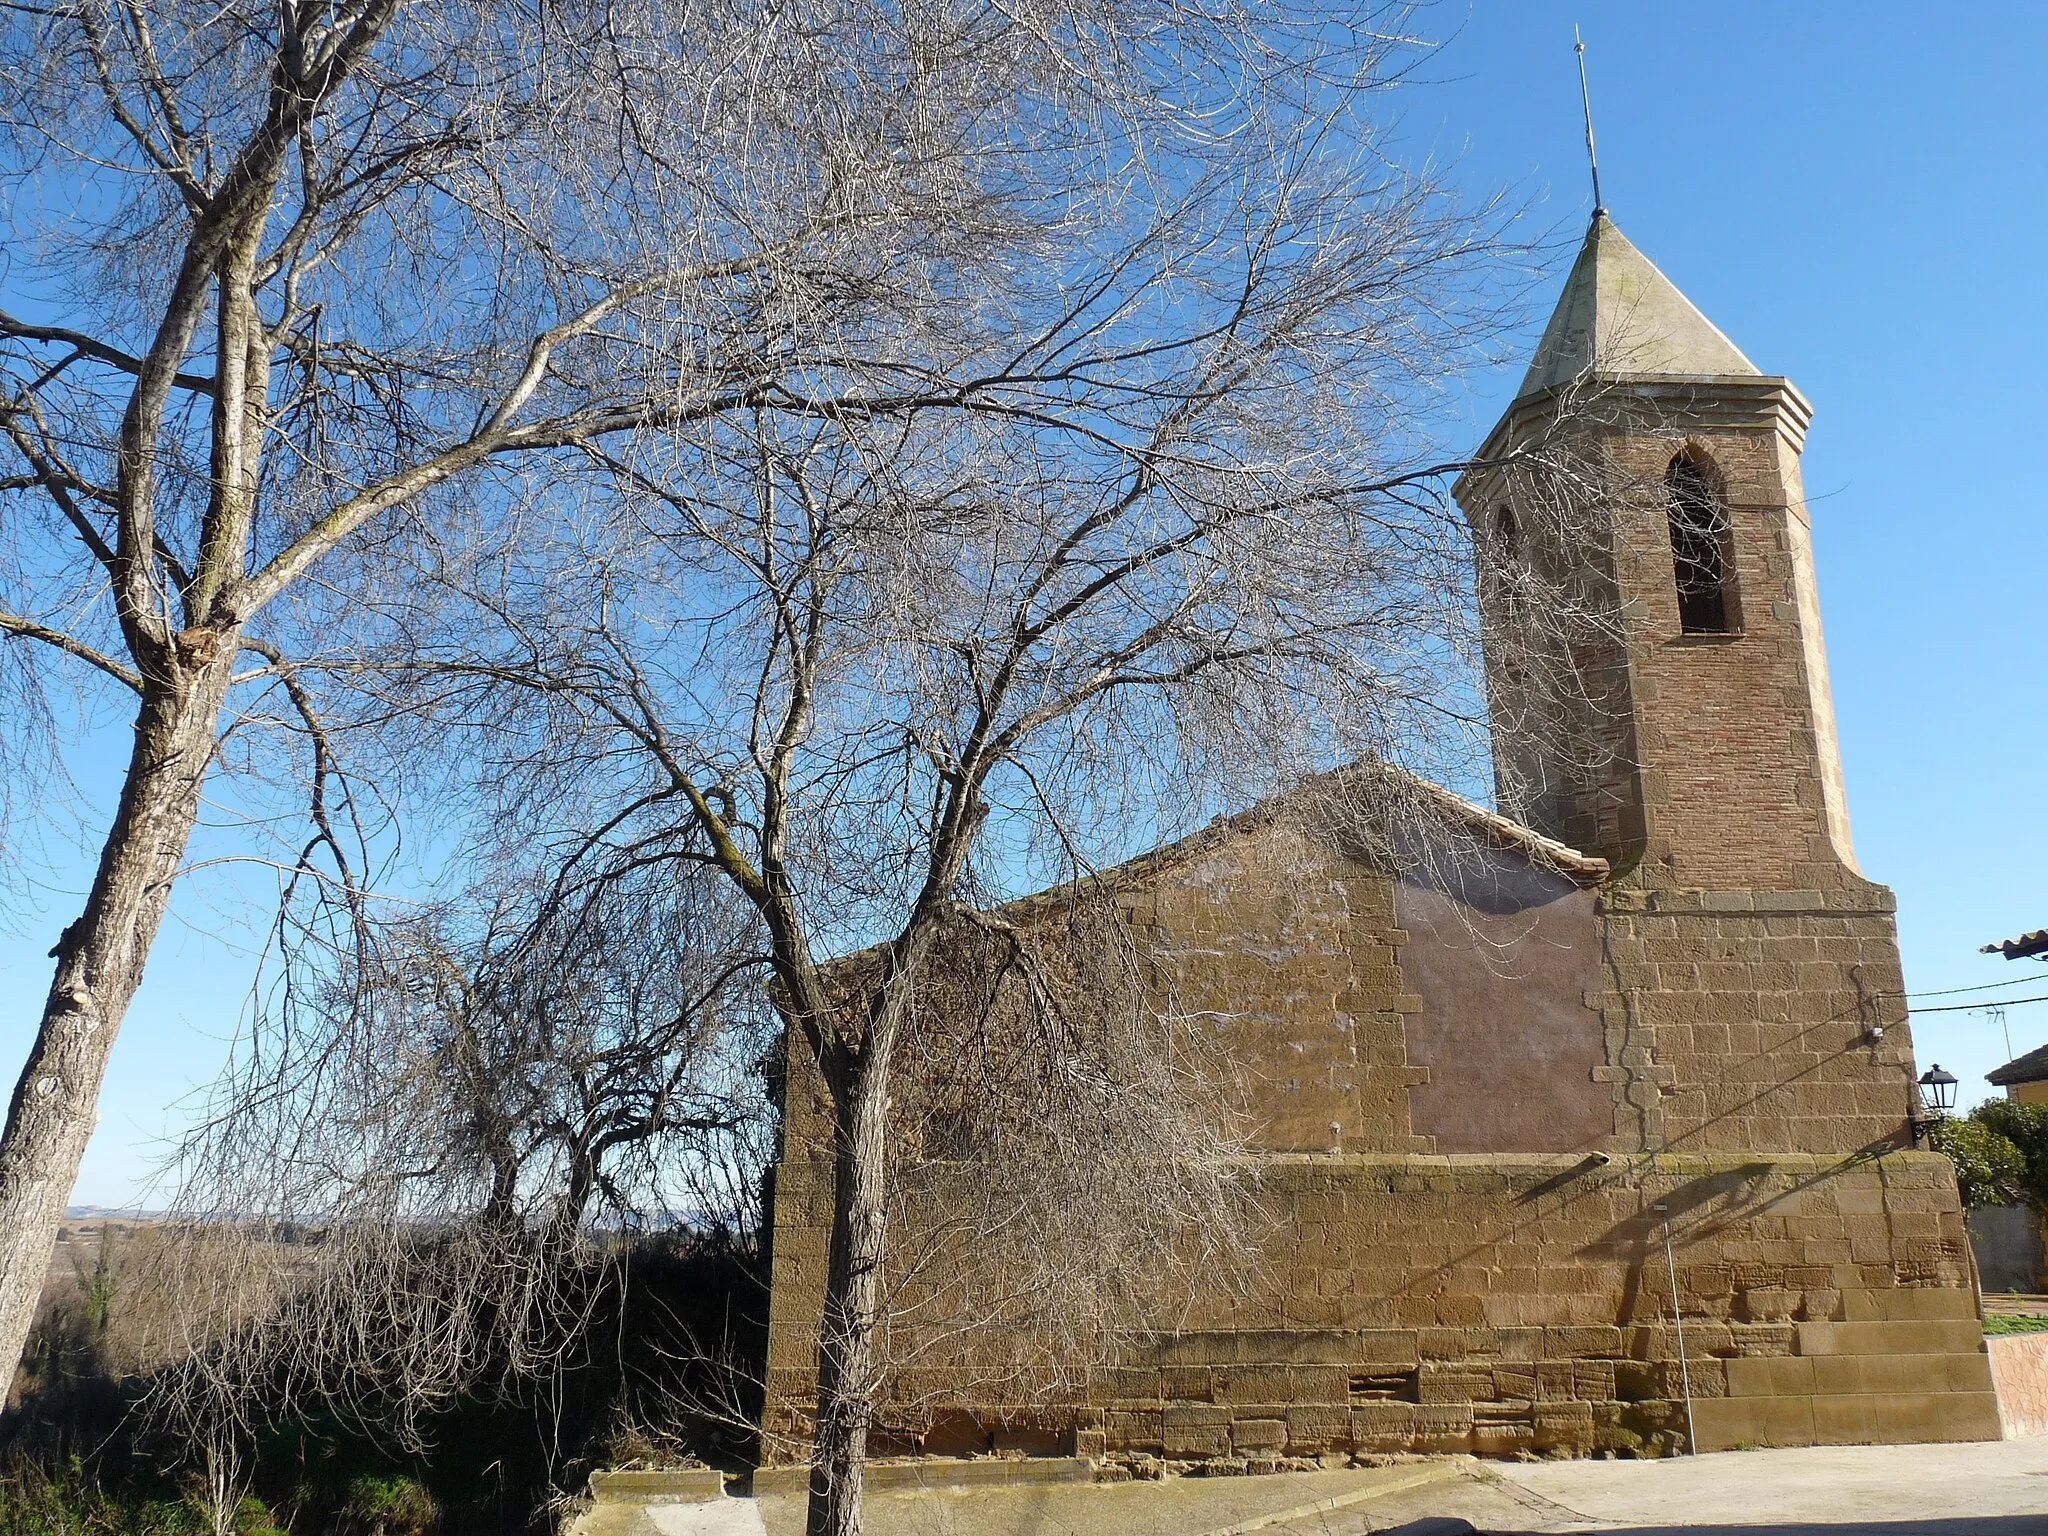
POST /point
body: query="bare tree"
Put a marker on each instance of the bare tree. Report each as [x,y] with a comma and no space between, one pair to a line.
[1066,1160]
[300,284]
[526,1057]
[422,1167]
[1185,544]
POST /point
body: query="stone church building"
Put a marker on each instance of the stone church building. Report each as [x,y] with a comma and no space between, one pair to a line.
[1661,1002]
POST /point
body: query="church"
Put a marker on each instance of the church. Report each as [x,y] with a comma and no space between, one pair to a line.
[1602,1137]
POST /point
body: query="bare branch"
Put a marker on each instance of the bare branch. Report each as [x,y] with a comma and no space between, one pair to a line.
[27,629]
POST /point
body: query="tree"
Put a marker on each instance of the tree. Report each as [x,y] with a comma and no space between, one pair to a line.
[1183,543]
[2011,1139]
[418,1171]
[1990,1170]
[303,283]
[524,1057]
[227,398]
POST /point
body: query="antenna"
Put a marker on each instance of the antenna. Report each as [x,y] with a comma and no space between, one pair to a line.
[1586,96]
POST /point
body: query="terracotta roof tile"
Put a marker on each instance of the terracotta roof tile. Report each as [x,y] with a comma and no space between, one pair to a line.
[2035,943]
[2030,1068]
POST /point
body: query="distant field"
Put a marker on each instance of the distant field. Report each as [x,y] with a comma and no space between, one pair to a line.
[104,1283]
[80,1241]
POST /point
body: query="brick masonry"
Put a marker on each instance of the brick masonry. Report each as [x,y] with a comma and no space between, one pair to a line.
[1696,761]
[1474,1074]
[1420,1293]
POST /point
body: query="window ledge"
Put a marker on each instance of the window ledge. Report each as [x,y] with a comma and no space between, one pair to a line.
[1707,637]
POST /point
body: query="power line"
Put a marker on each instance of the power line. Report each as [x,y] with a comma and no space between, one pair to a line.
[2016,981]
[2003,1002]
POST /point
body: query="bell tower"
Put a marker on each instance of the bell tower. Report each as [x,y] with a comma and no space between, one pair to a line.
[1657,685]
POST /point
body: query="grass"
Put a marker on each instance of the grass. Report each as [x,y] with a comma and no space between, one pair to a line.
[1997,1322]
[65,1498]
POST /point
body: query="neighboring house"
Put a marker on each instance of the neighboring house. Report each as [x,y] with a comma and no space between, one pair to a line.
[2027,946]
[2007,1238]
[2024,1077]
[1663,989]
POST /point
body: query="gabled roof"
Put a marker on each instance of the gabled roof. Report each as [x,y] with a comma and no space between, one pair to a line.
[1489,828]
[1505,832]
[2030,1068]
[1486,827]
[1620,316]
[2035,943]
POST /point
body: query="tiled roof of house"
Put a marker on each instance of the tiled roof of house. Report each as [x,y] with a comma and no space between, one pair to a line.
[2030,1068]
[2035,943]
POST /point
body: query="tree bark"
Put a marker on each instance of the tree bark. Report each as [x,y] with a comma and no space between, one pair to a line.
[100,961]
[853,1291]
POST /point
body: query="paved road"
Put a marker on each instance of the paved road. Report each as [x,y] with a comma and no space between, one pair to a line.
[1992,1489]
[1996,1488]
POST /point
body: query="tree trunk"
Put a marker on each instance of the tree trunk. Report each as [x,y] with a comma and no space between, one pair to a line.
[853,1285]
[100,959]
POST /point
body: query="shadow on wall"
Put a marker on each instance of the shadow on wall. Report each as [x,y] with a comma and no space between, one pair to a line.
[1632,1243]
[1722,1199]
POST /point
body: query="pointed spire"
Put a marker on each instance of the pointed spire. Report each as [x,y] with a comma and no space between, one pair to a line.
[1619,316]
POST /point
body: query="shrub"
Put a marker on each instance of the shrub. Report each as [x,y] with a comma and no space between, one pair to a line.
[61,1498]
[2024,1127]
[390,1506]
[1990,1169]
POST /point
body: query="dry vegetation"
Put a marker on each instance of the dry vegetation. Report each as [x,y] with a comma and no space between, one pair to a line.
[108,1434]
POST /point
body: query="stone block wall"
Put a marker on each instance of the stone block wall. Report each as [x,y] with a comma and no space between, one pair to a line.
[1285,952]
[1768,1021]
[1519,1067]
[1506,1303]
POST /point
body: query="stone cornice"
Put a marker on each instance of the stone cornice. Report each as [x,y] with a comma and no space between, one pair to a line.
[1673,403]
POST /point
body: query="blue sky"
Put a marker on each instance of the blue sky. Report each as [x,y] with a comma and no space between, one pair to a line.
[1858,195]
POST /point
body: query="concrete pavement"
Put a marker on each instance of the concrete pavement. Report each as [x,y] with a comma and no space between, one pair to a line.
[1988,1488]
[1985,1486]
[1994,1488]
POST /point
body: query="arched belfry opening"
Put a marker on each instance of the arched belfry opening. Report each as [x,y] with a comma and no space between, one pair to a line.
[1701,558]
[1508,560]
[1507,532]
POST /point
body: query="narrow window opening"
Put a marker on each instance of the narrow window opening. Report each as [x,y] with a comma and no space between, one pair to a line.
[1507,533]
[1699,549]
[1384,1387]
[1510,585]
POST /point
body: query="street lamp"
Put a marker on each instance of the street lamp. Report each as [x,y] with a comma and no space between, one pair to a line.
[1938,1093]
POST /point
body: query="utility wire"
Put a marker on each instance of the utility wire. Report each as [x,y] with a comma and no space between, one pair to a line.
[1979,1007]
[2016,981]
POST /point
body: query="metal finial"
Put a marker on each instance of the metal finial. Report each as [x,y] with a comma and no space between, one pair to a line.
[1586,96]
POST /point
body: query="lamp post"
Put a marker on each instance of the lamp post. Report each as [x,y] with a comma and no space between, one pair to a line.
[1938,1093]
